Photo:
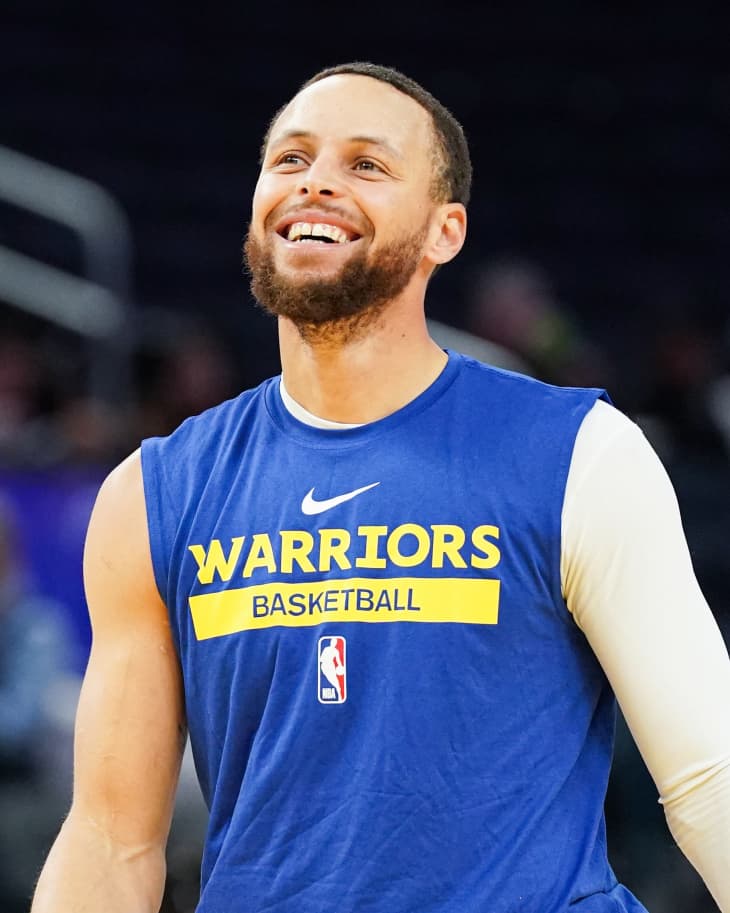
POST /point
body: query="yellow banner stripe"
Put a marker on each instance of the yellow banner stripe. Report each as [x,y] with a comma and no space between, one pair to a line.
[297,605]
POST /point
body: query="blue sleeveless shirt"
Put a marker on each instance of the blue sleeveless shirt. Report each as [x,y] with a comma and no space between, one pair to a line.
[390,707]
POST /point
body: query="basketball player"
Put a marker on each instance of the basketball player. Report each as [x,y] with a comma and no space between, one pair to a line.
[500,557]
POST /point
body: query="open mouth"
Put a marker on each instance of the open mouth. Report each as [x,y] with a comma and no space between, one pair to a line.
[317,233]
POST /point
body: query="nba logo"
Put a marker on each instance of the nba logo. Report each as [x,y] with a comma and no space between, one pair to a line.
[331,670]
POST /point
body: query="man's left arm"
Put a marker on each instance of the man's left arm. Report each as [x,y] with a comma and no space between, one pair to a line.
[629,583]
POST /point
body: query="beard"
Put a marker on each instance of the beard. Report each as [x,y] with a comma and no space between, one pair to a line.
[337,307]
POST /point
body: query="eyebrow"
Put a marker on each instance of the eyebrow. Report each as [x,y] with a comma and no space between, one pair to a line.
[378,141]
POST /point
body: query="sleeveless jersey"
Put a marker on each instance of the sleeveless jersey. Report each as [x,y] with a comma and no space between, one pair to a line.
[390,707]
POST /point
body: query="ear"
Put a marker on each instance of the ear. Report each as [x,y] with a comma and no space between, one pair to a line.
[448,233]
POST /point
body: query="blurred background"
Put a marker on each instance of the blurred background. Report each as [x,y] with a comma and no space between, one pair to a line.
[129,138]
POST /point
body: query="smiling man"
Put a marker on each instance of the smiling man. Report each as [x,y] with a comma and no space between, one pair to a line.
[340,219]
[357,202]
[393,594]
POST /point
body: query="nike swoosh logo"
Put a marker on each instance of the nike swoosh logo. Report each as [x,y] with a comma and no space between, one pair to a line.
[310,506]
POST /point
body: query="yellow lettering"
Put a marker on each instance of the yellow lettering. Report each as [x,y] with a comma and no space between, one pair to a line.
[373,535]
[423,545]
[408,545]
[261,554]
[214,561]
[333,545]
[447,540]
[480,541]
[296,545]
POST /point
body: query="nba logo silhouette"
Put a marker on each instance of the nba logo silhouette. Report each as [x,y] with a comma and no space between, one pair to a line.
[331,670]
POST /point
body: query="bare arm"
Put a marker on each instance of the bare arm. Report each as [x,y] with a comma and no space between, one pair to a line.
[130,729]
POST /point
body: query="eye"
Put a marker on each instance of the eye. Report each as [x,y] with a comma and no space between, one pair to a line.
[367,165]
[290,158]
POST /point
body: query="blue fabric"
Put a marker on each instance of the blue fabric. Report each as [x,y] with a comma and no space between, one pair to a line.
[466,767]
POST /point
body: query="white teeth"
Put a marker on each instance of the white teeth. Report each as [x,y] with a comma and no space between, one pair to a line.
[298,229]
[317,230]
[333,232]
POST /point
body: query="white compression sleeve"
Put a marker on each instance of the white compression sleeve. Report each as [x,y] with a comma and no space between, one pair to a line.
[629,583]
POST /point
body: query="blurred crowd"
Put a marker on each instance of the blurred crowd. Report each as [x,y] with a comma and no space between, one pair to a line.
[49,418]
[669,369]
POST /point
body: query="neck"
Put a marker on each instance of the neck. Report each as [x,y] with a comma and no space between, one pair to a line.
[362,377]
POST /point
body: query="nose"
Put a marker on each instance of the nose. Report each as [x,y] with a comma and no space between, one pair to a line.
[319,179]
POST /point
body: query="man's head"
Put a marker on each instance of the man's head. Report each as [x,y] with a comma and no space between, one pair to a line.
[452,171]
[363,184]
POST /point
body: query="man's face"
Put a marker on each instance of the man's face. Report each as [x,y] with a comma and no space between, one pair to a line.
[343,202]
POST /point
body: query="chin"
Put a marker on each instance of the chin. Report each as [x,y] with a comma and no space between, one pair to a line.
[304,275]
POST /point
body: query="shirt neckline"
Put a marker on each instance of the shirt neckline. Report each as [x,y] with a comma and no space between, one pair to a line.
[309,418]
[339,437]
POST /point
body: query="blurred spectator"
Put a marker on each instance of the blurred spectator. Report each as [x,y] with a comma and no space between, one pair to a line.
[719,405]
[719,390]
[20,382]
[91,431]
[681,412]
[25,428]
[194,371]
[48,418]
[512,303]
[477,347]
[685,366]
[44,421]
[185,845]
[37,703]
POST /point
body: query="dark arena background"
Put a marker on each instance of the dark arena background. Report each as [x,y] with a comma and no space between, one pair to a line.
[129,136]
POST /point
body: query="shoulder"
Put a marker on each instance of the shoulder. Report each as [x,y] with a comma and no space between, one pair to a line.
[523,404]
[507,380]
[119,505]
[605,422]
[122,486]
[609,439]
[177,465]
[117,563]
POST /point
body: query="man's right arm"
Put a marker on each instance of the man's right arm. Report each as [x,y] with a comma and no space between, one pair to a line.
[130,727]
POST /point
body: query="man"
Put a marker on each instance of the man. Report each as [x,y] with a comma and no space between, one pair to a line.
[414,506]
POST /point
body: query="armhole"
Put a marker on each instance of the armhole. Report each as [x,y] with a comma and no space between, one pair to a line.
[596,412]
[602,426]
[155,490]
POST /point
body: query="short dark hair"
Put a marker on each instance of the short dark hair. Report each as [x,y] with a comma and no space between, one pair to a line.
[452,172]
